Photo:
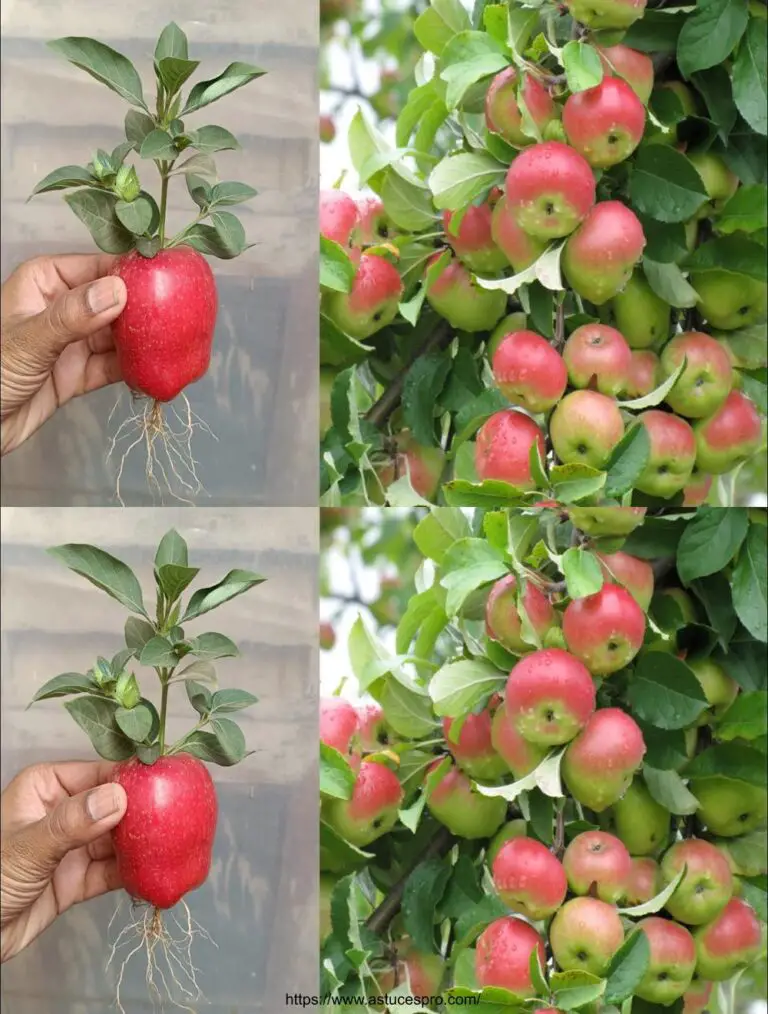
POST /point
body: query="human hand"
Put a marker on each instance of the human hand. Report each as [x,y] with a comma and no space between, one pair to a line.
[56,339]
[55,849]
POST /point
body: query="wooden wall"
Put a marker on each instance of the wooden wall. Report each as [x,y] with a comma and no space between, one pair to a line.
[259,396]
[259,903]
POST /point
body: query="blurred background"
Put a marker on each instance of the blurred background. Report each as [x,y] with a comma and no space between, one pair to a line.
[259,903]
[259,396]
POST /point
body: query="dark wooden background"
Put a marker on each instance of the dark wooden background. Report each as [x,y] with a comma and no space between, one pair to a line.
[259,903]
[259,397]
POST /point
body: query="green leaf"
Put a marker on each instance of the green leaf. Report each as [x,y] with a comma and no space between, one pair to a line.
[224,238]
[573,482]
[747,664]
[423,892]
[96,717]
[96,210]
[747,717]
[438,531]
[158,653]
[137,126]
[575,988]
[409,207]
[664,241]
[337,272]
[458,179]
[582,573]
[475,412]
[173,72]
[458,687]
[158,144]
[469,564]
[627,968]
[422,387]
[337,779]
[105,64]
[710,541]
[172,549]
[627,461]
[746,211]
[710,33]
[66,683]
[730,760]
[208,747]
[582,65]
[136,215]
[669,283]
[750,72]
[668,788]
[665,185]
[61,179]
[200,697]
[735,254]
[172,43]
[136,723]
[173,579]
[665,693]
[226,702]
[467,58]
[137,633]
[228,193]
[212,138]
[104,571]
[236,582]
[749,583]
[198,165]
[230,738]
[233,77]
[213,646]
[436,26]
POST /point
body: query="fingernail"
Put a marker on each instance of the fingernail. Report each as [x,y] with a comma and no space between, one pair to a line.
[102,295]
[102,802]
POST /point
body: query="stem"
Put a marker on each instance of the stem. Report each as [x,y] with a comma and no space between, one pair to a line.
[163,201]
[389,400]
[163,707]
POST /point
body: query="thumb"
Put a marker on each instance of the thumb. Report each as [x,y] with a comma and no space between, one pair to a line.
[77,314]
[34,853]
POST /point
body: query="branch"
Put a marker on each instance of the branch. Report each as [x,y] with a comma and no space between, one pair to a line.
[558,845]
[380,412]
[380,919]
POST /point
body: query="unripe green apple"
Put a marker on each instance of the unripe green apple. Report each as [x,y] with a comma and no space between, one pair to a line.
[465,813]
[729,436]
[600,763]
[465,305]
[598,864]
[729,301]
[706,886]
[599,258]
[606,521]
[672,961]
[372,810]
[585,934]
[706,379]
[508,325]
[719,182]
[606,14]
[641,316]
[640,822]
[729,808]
[685,604]
[529,878]
[719,689]
[729,943]
[585,427]
[512,829]
[672,454]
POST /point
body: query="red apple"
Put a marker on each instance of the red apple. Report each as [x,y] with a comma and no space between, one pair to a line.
[643,374]
[729,436]
[585,427]
[472,749]
[636,68]
[549,697]
[550,189]
[697,996]
[502,112]
[423,465]
[465,813]
[598,864]
[372,810]
[472,241]
[600,763]
[520,249]
[605,123]
[706,379]
[707,885]
[338,723]
[597,356]
[697,490]
[327,129]
[455,295]
[503,955]
[643,881]
[520,756]
[673,959]
[529,371]
[372,302]
[502,617]
[731,941]
[585,934]
[604,630]
[634,574]
[327,636]
[373,730]
[599,258]
[503,447]
[673,452]
[338,216]
[374,225]
[529,879]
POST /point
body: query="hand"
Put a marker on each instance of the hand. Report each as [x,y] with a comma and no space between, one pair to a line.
[56,339]
[55,849]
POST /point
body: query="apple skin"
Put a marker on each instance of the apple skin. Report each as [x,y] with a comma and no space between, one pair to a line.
[604,630]
[508,325]
[598,864]
[503,955]
[585,934]
[719,689]
[473,243]
[634,67]
[327,636]
[529,372]
[549,697]
[719,181]
[374,225]
[520,756]
[512,829]
[599,258]
[673,959]
[464,812]
[338,723]
[550,188]
[673,453]
[423,971]
[606,14]
[729,436]
[502,618]
[600,763]
[639,821]
[374,732]
[338,216]
[642,883]
[473,751]
[502,112]
[424,466]
[597,521]
[529,879]
[729,942]
[372,302]
[729,301]
[503,447]
[520,249]
[631,573]
[585,427]
[597,356]
[707,378]
[372,810]
[643,374]
[697,996]
[641,316]
[707,885]
[729,808]
[462,302]
[697,490]
[605,123]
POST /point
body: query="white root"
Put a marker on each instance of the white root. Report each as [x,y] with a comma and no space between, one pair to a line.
[167,439]
[171,975]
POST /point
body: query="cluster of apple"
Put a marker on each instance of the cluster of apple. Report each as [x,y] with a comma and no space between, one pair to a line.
[573,898]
